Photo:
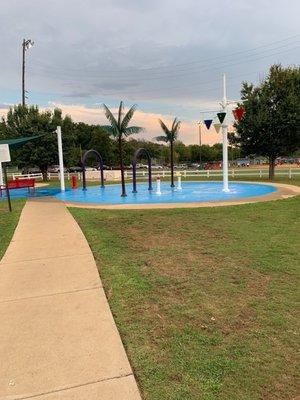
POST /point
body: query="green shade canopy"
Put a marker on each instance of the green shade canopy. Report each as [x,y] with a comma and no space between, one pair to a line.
[18,142]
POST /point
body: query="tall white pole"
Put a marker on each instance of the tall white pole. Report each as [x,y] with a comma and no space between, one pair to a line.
[1,175]
[61,159]
[225,138]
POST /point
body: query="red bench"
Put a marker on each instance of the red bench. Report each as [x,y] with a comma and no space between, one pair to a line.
[19,184]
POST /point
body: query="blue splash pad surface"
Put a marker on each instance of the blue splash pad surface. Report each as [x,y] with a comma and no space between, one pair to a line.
[24,193]
[191,192]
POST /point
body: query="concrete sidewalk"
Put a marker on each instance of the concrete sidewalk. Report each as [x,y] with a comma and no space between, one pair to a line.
[58,339]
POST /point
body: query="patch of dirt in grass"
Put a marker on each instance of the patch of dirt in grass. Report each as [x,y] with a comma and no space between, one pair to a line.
[257,285]
[244,321]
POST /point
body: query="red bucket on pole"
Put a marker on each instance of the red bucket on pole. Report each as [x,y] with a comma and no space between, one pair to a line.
[74,182]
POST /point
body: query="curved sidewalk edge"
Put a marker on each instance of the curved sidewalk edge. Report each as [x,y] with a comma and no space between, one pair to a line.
[58,336]
[284,191]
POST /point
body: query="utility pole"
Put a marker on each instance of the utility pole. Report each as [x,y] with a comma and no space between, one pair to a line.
[26,44]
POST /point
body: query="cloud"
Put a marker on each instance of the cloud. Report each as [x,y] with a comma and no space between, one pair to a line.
[149,121]
[167,56]
[4,106]
[189,132]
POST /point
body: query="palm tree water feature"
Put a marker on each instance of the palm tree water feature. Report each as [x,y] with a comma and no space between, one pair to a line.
[134,161]
[119,129]
[83,163]
[170,137]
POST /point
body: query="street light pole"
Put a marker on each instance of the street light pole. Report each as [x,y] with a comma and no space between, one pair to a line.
[23,72]
[26,44]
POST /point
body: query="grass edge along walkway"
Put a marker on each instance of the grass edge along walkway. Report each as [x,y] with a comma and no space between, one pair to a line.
[58,337]
[8,222]
[204,299]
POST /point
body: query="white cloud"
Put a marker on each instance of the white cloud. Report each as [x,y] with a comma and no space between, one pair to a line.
[168,56]
[189,132]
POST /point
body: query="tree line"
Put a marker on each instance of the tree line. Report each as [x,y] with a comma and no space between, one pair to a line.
[270,128]
[79,137]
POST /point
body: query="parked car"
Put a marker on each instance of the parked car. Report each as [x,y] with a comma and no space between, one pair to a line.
[75,169]
[140,166]
[195,165]
[213,165]
[55,169]
[157,167]
[31,170]
[243,162]
[180,166]
[104,167]
[90,169]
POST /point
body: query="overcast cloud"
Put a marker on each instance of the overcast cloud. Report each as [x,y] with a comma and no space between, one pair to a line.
[168,56]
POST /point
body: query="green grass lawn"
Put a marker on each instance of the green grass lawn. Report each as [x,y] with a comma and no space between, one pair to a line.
[8,222]
[204,299]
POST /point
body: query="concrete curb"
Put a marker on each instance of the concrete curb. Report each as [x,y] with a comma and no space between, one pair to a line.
[283,191]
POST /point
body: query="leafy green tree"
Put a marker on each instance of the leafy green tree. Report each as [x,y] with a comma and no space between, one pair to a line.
[194,150]
[29,121]
[102,142]
[170,137]
[271,125]
[119,129]
[129,147]
[183,151]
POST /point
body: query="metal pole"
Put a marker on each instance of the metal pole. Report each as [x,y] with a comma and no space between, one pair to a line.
[1,175]
[172,164]
[149,173]
[225,139]
[200,144]
[6,188]
[23,72]
[61,159]
[134,177]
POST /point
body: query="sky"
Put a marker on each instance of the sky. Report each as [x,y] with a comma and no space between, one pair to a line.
[166,56]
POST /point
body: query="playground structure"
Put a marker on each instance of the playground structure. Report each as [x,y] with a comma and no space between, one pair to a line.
[134,161]
[83,163]
[238,113]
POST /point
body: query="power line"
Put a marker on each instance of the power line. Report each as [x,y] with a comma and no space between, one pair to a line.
[192,62]
[223,65]
[144,91]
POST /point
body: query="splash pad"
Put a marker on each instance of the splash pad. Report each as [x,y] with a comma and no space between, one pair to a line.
[187,192]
